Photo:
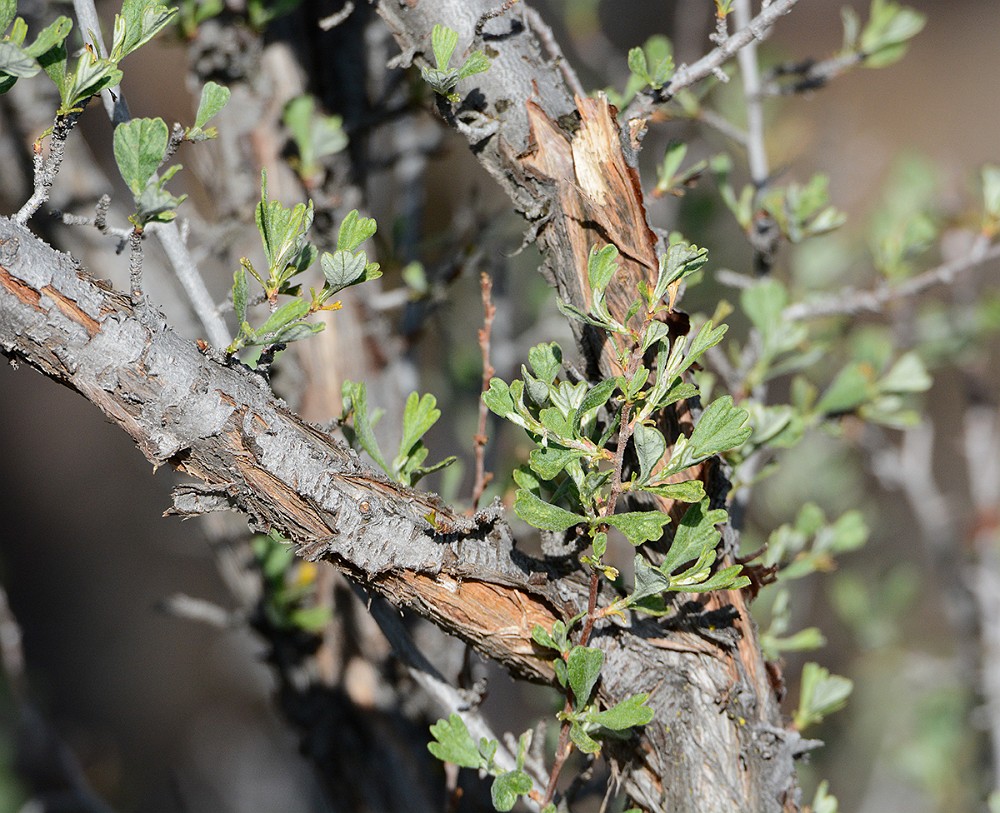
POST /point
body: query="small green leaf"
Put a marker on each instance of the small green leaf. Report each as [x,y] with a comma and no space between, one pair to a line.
[289,312]
[650,447]
[354,230]
[240,294]
[213,98]
[419,415]
[600,544]
[507,787]
[52,36]
[821,695]
[601,266]
[443,42]
[312,619]
[696,533]
[548,461]
[853,386]
[908,374]
[546,361]
[722,426]
[15,61]
[477,62]
[138,23]
[8,11]
[498,398]
[582,740]
[541,637]
[684,491]
[453,743]
[631,712]
[639,527]
[541,514]
[139,147]
[596,397]
[584,664]
[363,427]
[342,269]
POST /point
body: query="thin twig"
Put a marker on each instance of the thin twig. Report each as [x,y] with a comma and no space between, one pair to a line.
[181,605]
[788,79]
[851,302]
[491,14]
[687,75]
[46,169]
[489,312]
[548,40]
[335,19]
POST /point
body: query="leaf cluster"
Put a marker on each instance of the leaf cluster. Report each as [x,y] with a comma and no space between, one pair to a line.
[141,146]
[443,79]
[419,415]
[288,252]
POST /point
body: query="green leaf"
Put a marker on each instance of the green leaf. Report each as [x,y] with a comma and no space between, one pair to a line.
[546,361]
[139,147]
[342,269]
[8,10]
[16,62]
[213,98]
[541,637]
[681,260]
[821,694]
[240,294]
[363,427]
[582,740]
[354,230]
[507,787]
[52,36]
[477,62]
[596,397]
[541,514]
[650,447]
[890,25]
[601,266]
[908,374]
[584,668]
[639,526]
[853,386]
[443,42]
[728,578]
[138,23]
[289,312]
[684,491]
[92,75]
[600,544]
[631,712]
[763,303]
[548,461]
[722,426]
[419,415]
[498,398]
[312,619]
[696,533]
[637,64]
[453,743]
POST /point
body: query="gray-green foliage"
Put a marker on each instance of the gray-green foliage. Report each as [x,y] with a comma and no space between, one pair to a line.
[287,252]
